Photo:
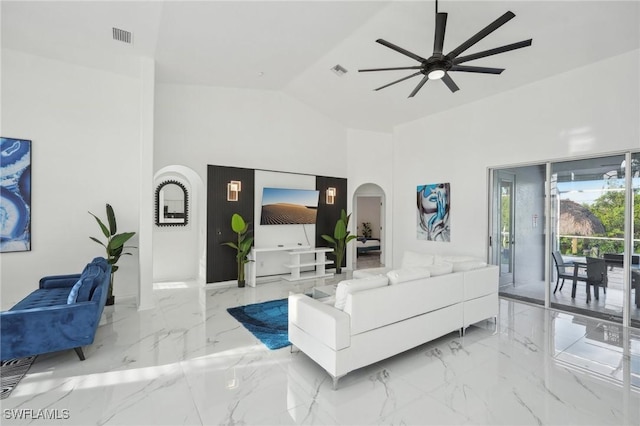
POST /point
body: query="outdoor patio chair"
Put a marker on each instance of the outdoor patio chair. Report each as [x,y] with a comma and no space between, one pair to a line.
[566,270]
[596,276]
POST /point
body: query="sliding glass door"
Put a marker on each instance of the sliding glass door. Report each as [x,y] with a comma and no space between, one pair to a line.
[588,214]
[585,212]
[517,235]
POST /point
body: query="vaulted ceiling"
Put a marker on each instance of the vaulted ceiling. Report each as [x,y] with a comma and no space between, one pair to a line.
[291,46]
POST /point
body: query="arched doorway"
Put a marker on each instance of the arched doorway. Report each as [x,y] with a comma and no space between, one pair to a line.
[369,205]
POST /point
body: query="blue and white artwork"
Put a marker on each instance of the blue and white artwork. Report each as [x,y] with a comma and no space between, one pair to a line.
[433,207]
[15,195]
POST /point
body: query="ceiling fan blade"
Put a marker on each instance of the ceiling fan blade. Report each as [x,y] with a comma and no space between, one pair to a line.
[450,83]
[482,70]
[441,24]
[419,86]
[397,81]
[482,34]
[400,50]
[417,67]
[491,52]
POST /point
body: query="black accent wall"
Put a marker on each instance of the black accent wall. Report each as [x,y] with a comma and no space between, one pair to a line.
[221,259]
[328,214]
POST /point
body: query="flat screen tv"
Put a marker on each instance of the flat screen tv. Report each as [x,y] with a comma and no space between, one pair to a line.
[284,206]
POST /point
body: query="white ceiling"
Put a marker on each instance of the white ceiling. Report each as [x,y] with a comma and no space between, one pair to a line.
[291,45]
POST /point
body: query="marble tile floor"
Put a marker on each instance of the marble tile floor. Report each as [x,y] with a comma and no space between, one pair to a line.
[187,361]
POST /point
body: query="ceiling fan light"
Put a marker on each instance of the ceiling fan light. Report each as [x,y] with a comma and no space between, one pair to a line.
[436,74]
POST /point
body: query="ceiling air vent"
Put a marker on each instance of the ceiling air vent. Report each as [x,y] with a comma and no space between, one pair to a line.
[339,70]
[122,35]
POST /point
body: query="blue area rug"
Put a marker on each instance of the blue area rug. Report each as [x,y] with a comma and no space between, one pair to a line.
[268,321]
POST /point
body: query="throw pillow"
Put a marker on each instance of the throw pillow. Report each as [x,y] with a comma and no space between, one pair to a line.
[468,265]
[89,279]
[73,294]
[441,268]
[398,276]
[347,287]
[455,259]
[411,259]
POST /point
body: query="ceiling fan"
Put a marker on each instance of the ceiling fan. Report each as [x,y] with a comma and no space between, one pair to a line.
[438,65]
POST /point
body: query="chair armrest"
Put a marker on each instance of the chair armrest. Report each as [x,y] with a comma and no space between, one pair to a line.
[34,331]
[59,281]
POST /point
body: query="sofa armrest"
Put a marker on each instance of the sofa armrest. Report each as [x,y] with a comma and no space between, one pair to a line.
[58,281]
[324,323]
[35,331]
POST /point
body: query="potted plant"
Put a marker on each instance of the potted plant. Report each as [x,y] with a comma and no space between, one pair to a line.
[366,229]
[114,245]
[340,239]
[242,246]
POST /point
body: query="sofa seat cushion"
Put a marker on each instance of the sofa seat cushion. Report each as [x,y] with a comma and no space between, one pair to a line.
[43,298]
[352,286]
[411,259]
[398,276]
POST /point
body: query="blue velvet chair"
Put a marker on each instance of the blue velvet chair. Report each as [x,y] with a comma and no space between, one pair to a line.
[63,313]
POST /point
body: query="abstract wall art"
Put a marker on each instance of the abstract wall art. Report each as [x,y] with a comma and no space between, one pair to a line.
[15,195]
[433,208]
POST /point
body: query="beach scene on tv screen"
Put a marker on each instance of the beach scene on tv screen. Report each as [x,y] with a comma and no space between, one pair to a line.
[284,206]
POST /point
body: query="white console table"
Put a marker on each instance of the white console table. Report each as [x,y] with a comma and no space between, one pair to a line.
[320,261]
[295,251]
[255,252]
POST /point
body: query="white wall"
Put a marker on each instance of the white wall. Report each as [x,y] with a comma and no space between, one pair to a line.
[85,129]
[198,125]
[370,155]
[569,115]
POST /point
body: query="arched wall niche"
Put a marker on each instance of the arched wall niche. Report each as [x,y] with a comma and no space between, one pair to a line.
[179,252]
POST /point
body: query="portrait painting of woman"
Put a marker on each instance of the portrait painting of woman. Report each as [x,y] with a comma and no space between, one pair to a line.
[433,207]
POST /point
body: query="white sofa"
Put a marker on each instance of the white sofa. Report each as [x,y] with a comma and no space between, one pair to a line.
[386,314]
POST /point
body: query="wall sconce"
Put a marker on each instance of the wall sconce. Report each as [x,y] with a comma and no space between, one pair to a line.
[233,189]
[331,195]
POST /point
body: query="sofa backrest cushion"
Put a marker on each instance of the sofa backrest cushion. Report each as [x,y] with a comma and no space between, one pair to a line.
[73,294]
[390,304]
[480,282]
[411,259]
[352,286]
[398,276]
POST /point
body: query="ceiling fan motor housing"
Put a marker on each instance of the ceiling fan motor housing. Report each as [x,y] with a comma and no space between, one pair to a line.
[436,62]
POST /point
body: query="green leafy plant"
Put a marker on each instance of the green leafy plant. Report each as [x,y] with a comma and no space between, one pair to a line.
[114,245]
[366,229]
[340,239]
[242,246]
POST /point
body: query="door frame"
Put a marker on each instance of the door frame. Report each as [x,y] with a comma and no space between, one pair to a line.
[497,176]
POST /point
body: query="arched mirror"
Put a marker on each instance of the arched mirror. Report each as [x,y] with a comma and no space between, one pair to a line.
[171,204]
